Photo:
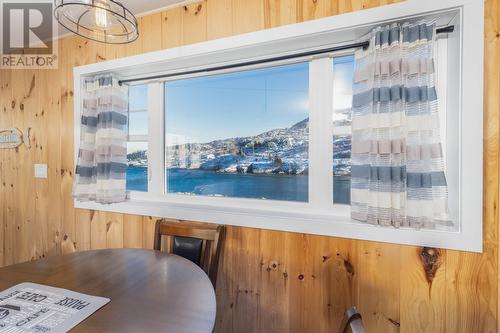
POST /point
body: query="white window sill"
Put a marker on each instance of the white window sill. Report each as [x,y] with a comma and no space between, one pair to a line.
[263,214]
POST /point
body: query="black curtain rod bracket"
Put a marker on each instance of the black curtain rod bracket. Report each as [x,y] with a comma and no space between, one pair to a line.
[364,45]
[445,30]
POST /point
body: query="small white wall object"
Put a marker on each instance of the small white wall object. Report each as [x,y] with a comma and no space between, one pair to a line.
[41,171]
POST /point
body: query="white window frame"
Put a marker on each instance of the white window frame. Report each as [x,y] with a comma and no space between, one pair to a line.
[319,215]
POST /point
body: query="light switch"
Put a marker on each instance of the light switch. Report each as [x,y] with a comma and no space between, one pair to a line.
[40,170]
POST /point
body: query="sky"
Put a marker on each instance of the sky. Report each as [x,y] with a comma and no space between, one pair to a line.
[237,104]
[343,74]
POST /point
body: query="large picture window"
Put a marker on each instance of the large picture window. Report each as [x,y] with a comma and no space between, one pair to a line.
[364,126]
[242,134]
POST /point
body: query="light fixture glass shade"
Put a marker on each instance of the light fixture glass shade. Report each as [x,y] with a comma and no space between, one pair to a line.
[104,21]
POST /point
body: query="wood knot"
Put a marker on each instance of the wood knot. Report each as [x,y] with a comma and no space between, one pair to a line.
[301,277]
[394,322]
[198,9]
[348,267]
[431,261]
[273,265]
[21,106]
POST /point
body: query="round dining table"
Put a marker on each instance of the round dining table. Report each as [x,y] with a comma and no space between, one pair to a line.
[150,291]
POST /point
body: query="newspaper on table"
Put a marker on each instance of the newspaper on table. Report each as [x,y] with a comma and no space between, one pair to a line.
[36,308]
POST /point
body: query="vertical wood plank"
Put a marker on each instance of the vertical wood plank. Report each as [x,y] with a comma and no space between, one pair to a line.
[280,12]
[66,61]
[339,279]
[274,283]
[83,220]
[151,33]
[314,9]
[378,284]
[225,284]
[248,15]
[98,231]
[421,306]
[3,183]
[10,177]
[132,231]
[246,287]
[148,231]
[299,275]
[114,230]
[172,27]
[219,22]
[194,23]
[53,150]
[5,167]
[41,156]
[472,279]
[23,86]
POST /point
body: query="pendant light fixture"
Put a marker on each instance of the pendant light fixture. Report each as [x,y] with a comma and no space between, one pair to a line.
[105,21]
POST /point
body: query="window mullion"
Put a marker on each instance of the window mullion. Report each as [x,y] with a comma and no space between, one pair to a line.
[320,133]
[156,174]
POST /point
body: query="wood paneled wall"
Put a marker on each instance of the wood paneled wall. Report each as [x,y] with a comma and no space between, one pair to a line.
[270,281]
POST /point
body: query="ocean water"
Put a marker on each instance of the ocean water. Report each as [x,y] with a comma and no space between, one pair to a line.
[263,186]
[137,179]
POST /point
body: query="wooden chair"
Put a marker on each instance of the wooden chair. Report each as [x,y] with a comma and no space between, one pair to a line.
[352,320]
[200,243]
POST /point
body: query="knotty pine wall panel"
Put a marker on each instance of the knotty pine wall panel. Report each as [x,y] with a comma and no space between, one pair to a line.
[269,281]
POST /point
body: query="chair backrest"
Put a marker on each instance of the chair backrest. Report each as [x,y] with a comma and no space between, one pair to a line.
[200,243]
[352,320]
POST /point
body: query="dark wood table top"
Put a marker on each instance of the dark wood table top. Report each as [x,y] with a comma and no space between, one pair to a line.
[150,291]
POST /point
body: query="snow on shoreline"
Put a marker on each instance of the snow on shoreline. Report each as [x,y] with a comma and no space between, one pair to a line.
[278,151]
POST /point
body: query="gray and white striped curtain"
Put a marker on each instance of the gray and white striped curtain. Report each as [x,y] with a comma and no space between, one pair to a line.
[397,170]
[102,157]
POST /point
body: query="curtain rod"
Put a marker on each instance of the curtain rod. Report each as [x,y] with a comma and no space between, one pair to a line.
[364,45]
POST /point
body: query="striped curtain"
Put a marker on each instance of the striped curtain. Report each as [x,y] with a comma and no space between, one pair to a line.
[102,157]
[397,170]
